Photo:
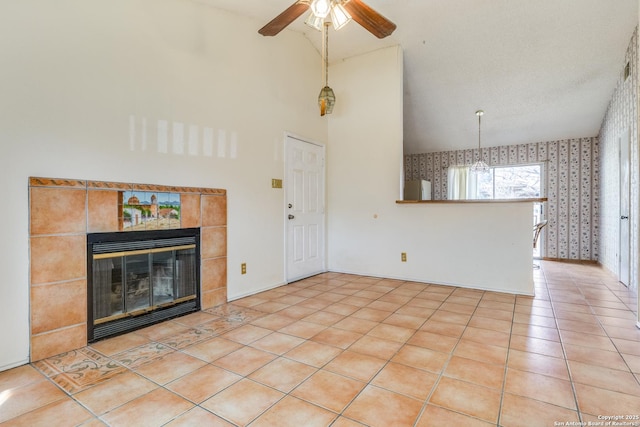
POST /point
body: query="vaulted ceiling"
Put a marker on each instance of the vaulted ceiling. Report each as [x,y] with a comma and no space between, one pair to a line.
[541,70]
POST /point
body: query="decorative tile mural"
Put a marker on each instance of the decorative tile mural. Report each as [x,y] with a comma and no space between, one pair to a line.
[148,210]
[622,114]
[570,169]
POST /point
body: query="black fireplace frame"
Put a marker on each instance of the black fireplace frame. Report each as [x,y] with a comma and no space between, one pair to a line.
[131,323]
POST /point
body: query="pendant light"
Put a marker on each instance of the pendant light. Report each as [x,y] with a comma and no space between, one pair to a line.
[326,99]
[480,166]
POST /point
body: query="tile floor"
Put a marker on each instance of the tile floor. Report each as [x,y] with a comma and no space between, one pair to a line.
[347,350]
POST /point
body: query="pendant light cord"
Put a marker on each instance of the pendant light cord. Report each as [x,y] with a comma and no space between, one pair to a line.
[325,52]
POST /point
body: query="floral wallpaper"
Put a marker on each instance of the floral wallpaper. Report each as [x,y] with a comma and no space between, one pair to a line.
[621,115]
[571,182]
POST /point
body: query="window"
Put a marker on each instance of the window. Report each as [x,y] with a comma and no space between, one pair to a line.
[510,182]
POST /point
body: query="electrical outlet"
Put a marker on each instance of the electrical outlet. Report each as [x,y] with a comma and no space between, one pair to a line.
[403,257]
[243,268]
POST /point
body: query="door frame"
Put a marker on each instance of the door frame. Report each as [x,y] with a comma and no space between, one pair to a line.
[287,137]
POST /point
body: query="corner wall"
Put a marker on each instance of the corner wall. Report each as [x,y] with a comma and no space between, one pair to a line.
[169,92]
[622,114]
[368,230]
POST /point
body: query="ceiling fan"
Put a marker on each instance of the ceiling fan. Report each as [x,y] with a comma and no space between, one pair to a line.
[341,11]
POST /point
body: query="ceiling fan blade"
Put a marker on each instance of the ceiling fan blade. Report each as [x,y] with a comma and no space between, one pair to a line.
[371,20]
[289,15]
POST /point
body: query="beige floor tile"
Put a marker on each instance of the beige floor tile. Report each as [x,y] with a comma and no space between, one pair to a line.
[540,332]
[20,376]
[69,411]
[500,339]
[293,412]
[329,390]
[313,353]
[597,401]
[609,379]
[405,380]
[277,343]
[336,337]
[482,352]
[405,321]
[538,363]
[436,416]
[117,391]
[242,402]
[325,318]
[466,398]
[198,417]
[303,329]
[473,371]
[203,383]
[443,328]
[491,324]
[536,345]
[376,347]
[29,397]
[155,408]
[591,356]
[518,411]
[421,358]
[355,365]
[448,316]
[247,334]
[433,341]
[212,349]
[540,387]
[273,322]
[244,360]
[356,324]
[392,333]
[282,374]
[377,407]
[371,314]
[170,367]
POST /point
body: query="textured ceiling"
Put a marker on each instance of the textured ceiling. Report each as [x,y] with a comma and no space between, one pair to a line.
[541,70]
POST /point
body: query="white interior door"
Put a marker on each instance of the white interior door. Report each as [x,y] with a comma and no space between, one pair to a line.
[304,210]
[624,210]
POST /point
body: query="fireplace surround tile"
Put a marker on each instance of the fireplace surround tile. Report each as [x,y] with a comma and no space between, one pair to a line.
[54,306]
[214,211]
[58,341]
[214,242]
[57,210]
[63,211]
[190,210]
[58,258]
[102,214]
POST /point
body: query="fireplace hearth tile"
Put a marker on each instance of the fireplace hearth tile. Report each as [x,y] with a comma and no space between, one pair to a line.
[142,355]
[190,337]
[79,369]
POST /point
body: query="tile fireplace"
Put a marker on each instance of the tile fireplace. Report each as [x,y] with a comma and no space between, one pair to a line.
[64,213]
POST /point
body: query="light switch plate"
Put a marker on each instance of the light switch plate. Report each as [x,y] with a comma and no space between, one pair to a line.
[276,183]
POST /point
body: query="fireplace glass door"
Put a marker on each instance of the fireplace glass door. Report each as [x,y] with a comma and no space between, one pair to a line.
[139,282]
[134,282]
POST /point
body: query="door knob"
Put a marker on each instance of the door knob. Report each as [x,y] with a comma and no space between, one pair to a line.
[291,216]
[290,205]
[624,217]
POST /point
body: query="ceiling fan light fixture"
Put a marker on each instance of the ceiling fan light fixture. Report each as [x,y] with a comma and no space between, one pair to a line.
[314,21]
[321,8]
[339,16]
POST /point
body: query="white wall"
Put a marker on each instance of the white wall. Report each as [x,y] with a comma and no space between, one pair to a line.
[476,245]
[78,80]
